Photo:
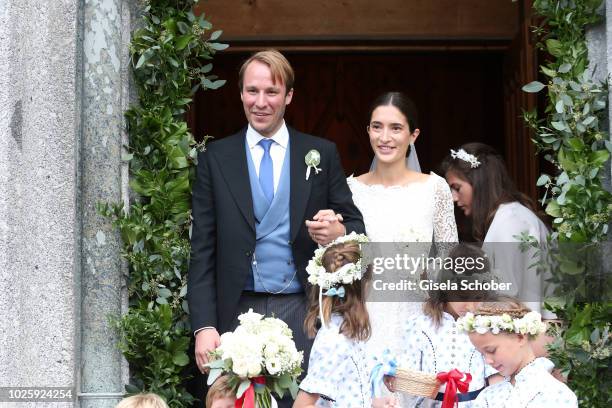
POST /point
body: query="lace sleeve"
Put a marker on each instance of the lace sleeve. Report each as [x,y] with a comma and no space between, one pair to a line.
[445,228]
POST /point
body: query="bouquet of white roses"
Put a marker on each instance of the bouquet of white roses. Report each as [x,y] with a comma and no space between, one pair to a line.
[259,357]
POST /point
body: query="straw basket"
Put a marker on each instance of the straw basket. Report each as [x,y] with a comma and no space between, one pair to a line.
[416,383]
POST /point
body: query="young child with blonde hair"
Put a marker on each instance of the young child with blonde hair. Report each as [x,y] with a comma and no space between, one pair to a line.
[503,331]
[144,400]
[220,394]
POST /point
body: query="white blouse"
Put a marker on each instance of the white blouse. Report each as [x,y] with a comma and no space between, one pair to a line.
[509,262]
[534,387]
[433,350]
[338,369]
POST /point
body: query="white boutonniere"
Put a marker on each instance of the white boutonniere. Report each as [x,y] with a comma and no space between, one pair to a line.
[312,159]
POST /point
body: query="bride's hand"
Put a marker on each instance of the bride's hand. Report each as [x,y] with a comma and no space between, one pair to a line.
[325,226]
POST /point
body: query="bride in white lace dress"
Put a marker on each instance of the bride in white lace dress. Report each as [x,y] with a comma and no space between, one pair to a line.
[399,204]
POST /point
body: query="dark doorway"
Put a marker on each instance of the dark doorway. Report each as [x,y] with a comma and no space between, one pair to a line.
[459,96]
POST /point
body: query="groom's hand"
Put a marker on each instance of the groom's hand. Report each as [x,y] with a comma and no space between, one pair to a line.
[205,341]
[325,226]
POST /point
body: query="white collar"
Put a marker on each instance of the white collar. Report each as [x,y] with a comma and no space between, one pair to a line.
[281,136]
[536,366]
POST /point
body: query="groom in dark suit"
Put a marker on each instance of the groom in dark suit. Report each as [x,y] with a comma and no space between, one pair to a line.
[258,217]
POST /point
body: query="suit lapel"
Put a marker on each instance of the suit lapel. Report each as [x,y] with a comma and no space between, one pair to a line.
[234,168]
[300,188]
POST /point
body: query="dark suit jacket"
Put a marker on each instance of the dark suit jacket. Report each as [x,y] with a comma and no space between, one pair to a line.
[223,234]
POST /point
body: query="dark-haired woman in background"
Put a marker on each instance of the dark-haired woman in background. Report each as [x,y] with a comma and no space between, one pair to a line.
[500,214]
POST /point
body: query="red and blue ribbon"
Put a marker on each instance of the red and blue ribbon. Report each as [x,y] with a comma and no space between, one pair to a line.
[455,381]
[247,399]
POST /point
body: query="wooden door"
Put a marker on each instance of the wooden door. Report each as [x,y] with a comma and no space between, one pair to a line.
[458,95]
[520,68]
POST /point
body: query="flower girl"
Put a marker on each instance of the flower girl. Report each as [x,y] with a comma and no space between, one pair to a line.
[434,345]
[502,332]
[338,370]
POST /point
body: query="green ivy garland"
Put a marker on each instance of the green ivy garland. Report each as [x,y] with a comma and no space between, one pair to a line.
[170,54]
[571,138]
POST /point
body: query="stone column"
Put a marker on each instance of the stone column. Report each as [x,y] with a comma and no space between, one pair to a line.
[39,213]
[105,76]
[63,90]
[599,41]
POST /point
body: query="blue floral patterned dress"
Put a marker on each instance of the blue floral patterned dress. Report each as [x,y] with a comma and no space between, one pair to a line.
[338,369]
[534,387]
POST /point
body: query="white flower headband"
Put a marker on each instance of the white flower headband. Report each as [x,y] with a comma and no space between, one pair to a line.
[530,324]
[466,157]
[347,274]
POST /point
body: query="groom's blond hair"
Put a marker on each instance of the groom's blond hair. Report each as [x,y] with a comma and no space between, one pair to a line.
[279,67]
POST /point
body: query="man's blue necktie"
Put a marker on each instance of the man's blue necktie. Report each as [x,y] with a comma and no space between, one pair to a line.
[266,170]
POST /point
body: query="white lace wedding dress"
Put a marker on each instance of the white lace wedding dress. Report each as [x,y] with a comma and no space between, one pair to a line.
[419,211]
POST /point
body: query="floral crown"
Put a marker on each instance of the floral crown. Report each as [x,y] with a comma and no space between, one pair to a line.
[531,323]
[347,274]
[466,157]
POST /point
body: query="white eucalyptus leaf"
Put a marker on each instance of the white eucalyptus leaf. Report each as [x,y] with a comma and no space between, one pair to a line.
[533,87]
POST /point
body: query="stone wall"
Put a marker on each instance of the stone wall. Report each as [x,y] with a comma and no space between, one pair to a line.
[63,86]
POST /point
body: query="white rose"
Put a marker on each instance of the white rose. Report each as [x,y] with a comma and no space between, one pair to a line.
[273,366]
[240,368]
[271,350]
[254,367]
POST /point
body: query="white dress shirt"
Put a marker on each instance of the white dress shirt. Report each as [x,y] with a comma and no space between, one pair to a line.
[277,150]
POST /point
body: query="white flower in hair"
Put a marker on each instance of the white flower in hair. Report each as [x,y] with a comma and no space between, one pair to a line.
[347,274]
[466,157]
[530,324]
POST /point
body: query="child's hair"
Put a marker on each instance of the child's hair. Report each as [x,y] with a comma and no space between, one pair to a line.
[503,304]
[219,389]
[356,322]
[144,400]
[508,305]
[491,184]
[462,271]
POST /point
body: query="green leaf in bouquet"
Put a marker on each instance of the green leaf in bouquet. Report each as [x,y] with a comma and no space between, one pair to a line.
[293,389]
[284,381]
[213,375]
[216,364]
[277,388]
[242,388]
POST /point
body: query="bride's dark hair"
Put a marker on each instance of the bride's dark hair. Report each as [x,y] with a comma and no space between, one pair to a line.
[400,101]
[491,184]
